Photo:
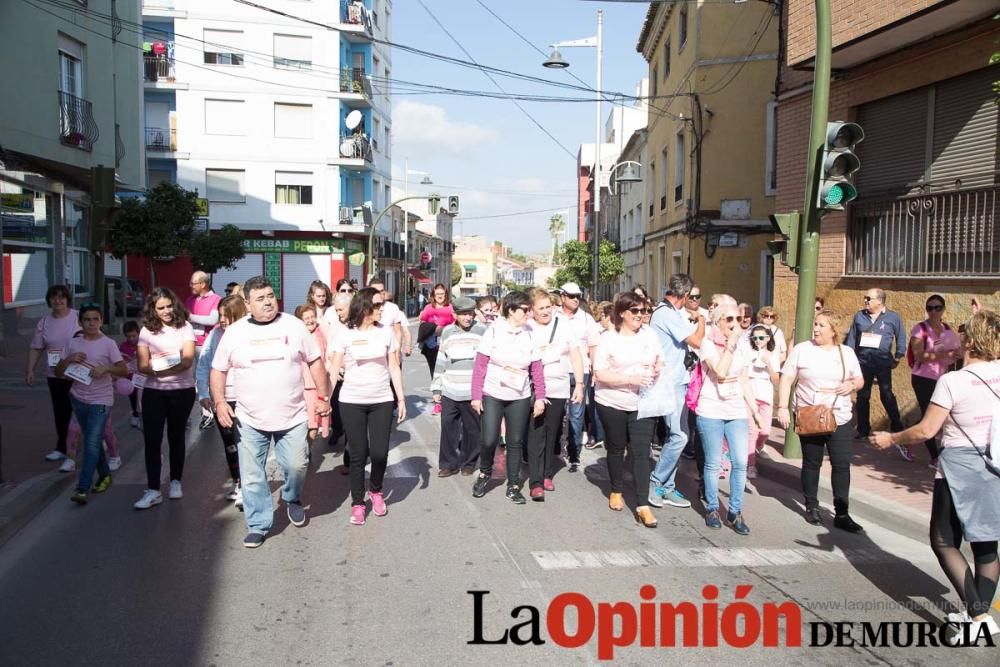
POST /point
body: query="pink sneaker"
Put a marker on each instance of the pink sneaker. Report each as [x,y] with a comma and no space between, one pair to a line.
[437,409]
[548,485]
[378,503]
[358,515]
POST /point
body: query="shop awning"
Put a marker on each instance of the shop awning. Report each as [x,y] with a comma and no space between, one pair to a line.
[420,277]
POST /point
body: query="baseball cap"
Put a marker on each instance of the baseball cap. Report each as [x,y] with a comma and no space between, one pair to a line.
[463,304]
[571,288]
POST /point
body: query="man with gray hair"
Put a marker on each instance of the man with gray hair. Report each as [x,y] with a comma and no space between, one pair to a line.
[675,330]
[203,304]
[872,332]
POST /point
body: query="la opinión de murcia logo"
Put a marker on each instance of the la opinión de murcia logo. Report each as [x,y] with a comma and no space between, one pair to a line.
[572,620]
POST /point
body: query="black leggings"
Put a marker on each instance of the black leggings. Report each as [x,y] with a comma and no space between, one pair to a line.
[367,428]
[622,430]
[230,441]
[946,541]
[62,409]
[923,389]
[516,414]
[838,444]
[543,441]
[170,407]
[431,354]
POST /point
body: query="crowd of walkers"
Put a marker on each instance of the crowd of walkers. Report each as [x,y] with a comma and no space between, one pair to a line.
[630,375]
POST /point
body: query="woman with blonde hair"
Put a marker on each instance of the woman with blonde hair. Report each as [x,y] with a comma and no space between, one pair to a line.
[767,316]
[827,373]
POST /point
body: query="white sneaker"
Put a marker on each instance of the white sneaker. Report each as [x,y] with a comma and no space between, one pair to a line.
[68,465]
[149,498]
[972,630]
[959,617]
[239,499]
[55,455]
[114,463]
[233,493]
[175,490]
[584,438]
[134,421]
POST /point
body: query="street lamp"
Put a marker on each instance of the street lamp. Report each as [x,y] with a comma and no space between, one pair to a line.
[556,61]
[630,174]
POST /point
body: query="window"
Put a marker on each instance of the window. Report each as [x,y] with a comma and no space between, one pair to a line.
[653,183]
[376,131]
[292,52]
[388,142]
[679,168]
[682,27]
[70,65]
[223,47]
[653,84]
[293,187]
[663,179]
[225,117]
[375,4]
[771,150]
[293,121]
[226,186]
[666,60]
[388,194]
[376,192]
[158,176]
[387,85]
[468,274]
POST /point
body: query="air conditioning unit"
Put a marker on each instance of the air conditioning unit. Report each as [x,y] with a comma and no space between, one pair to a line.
[345,215]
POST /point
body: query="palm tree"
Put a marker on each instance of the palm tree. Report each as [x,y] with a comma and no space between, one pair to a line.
[556,227]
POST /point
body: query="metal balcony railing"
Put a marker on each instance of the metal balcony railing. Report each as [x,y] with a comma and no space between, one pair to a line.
[356,13]
[954,233]
[352,80]
[77,127]
[356,146]
[157,67]
[161,139]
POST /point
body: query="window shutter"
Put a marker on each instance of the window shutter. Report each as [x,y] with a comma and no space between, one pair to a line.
[226,185]
[294,121]
[293,47]
[965,131]
[893,153]
[293,178]
[223,41]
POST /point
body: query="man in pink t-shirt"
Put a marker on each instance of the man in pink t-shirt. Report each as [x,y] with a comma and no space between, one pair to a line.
[263,353]
[203,304]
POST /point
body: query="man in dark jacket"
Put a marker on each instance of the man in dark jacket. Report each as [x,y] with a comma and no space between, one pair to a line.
[871,337]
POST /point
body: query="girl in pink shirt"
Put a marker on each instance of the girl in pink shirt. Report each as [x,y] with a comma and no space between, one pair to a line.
[319,297]
[440,314]
[318,424]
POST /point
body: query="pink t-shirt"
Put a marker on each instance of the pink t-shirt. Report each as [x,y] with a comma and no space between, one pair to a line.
[441,316]
[969,403]
[629,355]
[366,364]
[265,364]
[206,304]
[100,352]
[555,355]
[511,351]
[722,398]
[319,337]
[51,336]
[760,374]
[819,371]
[129,351]
[165,347]
[947,341]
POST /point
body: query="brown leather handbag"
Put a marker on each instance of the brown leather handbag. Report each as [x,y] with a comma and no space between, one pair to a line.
[819,419]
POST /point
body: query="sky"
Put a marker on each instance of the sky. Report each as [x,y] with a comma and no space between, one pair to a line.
[486,150]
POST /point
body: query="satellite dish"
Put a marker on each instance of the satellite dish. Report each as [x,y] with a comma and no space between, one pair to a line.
[353,119]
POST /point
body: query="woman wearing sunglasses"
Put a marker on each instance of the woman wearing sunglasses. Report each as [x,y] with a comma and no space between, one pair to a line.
[763,372]
[507,370]
[768,316]
[933,347]
[628,358]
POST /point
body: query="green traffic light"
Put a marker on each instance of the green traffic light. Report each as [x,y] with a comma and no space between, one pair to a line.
[834,196]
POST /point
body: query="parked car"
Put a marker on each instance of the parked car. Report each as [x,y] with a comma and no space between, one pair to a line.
[129,297]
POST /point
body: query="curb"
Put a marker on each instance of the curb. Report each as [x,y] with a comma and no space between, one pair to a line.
[865,504]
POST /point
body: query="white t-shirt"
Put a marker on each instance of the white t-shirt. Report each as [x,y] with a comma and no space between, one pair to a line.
[629,355]
[555,355]
[969,404]
[511,352]
[585,330]
[722,398]
[390,314]
[366,363]
[264,361]
[819,371]
[165,350]
[760,374]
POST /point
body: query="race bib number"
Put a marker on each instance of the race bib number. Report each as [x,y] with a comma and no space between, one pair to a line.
[872,340]
[138,380]
[198,332]
[267,349]
[462,349]
[162,362]
[730,388]
[551,354]
[53,358]
[79,372]
[364,350]
[513,378]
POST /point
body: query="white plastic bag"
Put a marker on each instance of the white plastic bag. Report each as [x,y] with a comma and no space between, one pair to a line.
[657,400]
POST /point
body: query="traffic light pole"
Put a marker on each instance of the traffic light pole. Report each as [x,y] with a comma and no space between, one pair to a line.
[810,220]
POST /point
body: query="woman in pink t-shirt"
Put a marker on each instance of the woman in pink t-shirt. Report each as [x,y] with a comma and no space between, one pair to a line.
[628,357]
[366,351]
[52,333]
[934,347]
[319,297]
[963,409]
[440,313]
[318,424]
[166,359]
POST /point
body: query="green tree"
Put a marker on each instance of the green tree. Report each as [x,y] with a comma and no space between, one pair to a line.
[159,225]
[456,273]
[575,264]
[556,228]
[218,249]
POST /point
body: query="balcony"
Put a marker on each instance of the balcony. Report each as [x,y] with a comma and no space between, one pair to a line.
[944,234]
[77,127]
[354,81]
[356,150]
[161,140]
[356,22]
[162,9]
[354,219]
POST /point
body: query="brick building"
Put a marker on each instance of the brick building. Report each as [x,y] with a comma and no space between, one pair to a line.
[915,75]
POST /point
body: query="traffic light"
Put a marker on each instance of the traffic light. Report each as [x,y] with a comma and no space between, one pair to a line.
[786,248]
[838,163]
[453,204]
[433,201]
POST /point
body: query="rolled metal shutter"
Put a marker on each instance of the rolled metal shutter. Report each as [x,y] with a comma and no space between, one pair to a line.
[893,152]
[251,265]
[965,131]
[298,272]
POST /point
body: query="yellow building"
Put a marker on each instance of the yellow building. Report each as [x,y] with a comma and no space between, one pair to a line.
[710,174]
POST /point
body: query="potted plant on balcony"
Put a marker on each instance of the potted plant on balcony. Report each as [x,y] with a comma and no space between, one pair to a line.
[76,139]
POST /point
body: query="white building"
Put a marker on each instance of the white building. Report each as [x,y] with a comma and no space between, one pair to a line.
[284,126]
[630,209]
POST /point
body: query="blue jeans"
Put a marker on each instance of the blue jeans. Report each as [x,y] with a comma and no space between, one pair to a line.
[292,453]
[677,437]
[574,439]
[597,427]
[737,434]
[91,419]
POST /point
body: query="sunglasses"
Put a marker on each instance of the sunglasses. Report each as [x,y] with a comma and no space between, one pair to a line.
[572,296]
[932,309]
[731,318]
[346,291]
[767,317]
[868,298]
[89,305]
[694,297]
[761,337]
[526,309]
[640,311]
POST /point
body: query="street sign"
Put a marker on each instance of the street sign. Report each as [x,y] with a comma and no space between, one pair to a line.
[200,225]
[17,201]
[202,207]
[272,271]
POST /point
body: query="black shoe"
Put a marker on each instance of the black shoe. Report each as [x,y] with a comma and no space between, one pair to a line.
[813,516]
[479,488]
[845,522]
[738,524]
[297,514]
[253,540]
[713,521]
[206,422]
[515,494]
[574,466]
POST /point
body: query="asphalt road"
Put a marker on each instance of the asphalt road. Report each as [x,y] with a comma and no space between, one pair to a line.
[105,584]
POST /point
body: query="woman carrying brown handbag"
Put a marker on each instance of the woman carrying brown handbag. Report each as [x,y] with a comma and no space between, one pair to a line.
[827,373]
